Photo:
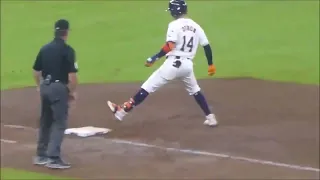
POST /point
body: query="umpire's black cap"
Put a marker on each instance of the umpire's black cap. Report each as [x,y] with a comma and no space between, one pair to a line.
[61,25]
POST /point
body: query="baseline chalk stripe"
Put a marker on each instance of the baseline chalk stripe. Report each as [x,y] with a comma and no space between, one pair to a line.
[198,152]
[239,158]
[8,141]
[18,127]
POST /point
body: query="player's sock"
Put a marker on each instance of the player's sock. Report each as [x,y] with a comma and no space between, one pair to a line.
[201,100]
[136,100]
[140,97]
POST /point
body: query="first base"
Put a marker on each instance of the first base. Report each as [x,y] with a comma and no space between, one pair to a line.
[87,131]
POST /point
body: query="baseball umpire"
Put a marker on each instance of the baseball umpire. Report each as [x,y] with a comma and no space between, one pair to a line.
[55,73]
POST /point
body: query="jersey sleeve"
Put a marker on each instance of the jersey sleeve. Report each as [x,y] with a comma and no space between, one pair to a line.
[203,40]
[37,66]
[71,61]
[172,34]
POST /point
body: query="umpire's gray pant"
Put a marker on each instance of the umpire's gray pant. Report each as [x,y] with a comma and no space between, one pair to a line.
[53,120]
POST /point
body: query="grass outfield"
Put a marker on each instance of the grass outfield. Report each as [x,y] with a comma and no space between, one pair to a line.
[12,174]
[277,40]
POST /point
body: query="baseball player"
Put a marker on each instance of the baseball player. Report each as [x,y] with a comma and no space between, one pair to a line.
[183,37]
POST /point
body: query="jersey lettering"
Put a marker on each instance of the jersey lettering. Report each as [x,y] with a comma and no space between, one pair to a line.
[187,35]
[189,28]
[188,45]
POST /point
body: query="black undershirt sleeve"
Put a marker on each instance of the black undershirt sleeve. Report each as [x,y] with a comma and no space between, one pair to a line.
[208,53]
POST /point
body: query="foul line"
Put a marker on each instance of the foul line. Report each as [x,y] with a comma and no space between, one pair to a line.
[8,141]
[198,152]
[204,153]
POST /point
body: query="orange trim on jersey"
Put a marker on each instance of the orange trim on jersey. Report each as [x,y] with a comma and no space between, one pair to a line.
[169,46]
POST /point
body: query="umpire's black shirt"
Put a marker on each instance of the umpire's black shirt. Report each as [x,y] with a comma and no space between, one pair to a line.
[56,59]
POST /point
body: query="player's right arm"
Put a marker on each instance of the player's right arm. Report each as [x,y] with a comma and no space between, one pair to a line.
[171,38]
[204,42]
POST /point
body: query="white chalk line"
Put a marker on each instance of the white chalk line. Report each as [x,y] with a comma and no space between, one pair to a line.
[198,152]
[8,141]
[18,127]
[220,155]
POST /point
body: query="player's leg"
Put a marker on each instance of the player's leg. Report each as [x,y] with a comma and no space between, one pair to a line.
[152,84]
[44,130]
[194,90]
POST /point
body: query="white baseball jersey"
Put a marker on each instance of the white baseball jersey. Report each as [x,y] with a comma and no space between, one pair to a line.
[187,35]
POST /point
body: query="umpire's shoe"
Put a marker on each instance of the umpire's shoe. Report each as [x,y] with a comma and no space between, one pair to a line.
[40,160]
[57,163]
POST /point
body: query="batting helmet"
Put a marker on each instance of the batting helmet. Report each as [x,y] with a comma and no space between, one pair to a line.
[177,8]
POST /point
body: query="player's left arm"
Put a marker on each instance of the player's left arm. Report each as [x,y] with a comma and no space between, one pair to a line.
[204,42]
[170,44]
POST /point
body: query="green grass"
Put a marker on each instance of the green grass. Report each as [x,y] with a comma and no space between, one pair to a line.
[11,174]
[276,40]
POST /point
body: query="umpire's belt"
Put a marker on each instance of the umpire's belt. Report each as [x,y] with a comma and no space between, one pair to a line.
[54,81]
[50,81]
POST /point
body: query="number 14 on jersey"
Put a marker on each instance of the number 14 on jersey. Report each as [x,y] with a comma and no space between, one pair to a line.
[187,43]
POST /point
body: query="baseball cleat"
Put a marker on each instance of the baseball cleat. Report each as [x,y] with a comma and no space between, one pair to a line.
[113,107]
[118,112]
[211,120]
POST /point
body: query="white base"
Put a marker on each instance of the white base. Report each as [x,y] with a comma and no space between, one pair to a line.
[87,131]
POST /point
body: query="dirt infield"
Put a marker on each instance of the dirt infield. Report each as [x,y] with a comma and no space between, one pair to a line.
[267,130]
